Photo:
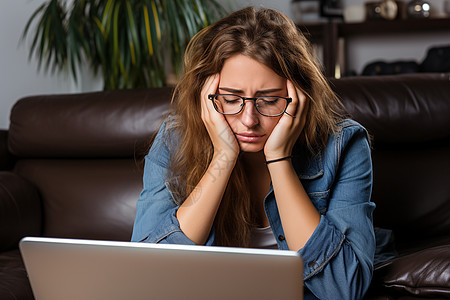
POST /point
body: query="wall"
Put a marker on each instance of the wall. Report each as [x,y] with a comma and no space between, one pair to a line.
[283,6]
[19,76]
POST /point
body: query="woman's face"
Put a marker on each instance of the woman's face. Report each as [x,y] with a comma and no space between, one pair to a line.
[244,76]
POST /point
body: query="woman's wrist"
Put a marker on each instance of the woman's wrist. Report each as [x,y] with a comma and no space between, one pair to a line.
[223,160]
[288,157]
[274,155]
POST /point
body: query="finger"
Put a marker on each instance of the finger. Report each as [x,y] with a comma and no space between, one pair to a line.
[210,87]
[303,104]
[211,84]
[301,101]
[291,110]
[302,109]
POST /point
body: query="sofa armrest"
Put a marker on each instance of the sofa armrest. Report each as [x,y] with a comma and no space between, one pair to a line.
[420,274]
[20,210]
[6,159]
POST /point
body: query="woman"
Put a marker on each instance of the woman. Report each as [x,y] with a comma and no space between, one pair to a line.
[258,154]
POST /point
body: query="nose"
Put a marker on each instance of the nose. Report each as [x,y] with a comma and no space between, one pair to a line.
[249,115]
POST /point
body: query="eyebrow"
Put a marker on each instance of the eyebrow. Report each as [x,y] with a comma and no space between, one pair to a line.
[237,91]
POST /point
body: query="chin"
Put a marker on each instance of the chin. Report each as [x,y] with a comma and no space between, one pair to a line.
[248,147]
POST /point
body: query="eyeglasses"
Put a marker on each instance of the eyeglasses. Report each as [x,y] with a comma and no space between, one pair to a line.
[269,106]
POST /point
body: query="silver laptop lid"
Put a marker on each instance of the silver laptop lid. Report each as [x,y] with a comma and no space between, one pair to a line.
[85,269]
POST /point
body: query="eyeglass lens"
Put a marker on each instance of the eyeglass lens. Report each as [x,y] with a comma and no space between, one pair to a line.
[267,105]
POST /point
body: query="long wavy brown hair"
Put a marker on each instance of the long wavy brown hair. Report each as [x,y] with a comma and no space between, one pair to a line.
[268,37]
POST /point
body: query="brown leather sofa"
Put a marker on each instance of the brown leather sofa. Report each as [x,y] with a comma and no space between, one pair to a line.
[70,166]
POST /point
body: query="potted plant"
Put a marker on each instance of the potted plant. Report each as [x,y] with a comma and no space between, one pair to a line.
[129,41]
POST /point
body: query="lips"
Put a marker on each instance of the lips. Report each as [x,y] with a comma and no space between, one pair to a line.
[249,137]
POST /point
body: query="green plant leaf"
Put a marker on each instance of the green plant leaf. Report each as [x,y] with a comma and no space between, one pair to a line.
[133,40]
[107,14]
[115,33]
[148,32]
[30,21]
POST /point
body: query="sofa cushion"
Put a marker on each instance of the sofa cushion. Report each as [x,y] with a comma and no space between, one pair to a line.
[410,210]
[86,198]
[411,108]
[98,124]
[6,160]
[14,282]
[425,273]
[20,210]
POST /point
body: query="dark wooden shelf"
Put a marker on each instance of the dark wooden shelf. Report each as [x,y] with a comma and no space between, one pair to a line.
[329,33]
[395,26]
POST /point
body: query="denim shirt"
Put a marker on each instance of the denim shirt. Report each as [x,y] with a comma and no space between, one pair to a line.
[338,257]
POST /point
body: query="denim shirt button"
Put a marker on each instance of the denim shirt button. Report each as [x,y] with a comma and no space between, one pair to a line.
[281,238]
[312,264]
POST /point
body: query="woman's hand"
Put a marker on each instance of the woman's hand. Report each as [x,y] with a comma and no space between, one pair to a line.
[222,137]
[197,213]
[298,214]
[286,132]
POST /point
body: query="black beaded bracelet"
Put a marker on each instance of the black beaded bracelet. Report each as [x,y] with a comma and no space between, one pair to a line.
[279,159]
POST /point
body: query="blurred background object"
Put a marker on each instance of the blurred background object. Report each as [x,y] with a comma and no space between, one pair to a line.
[385,10]
[306,11]
[418,9]
[331,8]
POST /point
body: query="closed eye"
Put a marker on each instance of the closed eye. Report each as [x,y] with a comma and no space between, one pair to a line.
[229,98]
[269,100]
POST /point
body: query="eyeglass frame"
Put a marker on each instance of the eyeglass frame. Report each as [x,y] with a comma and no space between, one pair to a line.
[212,96]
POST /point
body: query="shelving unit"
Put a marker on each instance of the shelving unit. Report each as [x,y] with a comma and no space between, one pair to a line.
[328,34]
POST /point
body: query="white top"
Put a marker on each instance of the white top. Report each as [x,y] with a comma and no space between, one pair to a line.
[263,238]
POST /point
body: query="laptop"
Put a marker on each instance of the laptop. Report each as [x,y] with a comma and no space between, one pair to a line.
[102,270]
